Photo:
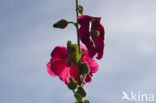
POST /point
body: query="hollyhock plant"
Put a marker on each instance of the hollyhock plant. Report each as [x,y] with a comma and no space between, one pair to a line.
[75,64]
[92,34]
[59,66]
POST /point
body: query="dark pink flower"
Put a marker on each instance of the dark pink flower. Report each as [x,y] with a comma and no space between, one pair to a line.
[92,34]
[58,65]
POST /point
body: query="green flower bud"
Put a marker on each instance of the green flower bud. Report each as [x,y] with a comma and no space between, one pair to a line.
[61,24]
[70,47]
[73,53]
[80,9]
[81,91]
[73,84]
[84,68]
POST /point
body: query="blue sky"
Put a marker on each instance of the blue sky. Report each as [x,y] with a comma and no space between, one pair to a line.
[27,39]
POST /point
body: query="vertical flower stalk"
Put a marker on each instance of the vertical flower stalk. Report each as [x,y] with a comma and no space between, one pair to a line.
[78,39]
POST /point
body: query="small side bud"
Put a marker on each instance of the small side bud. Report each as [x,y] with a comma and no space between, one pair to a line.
[81,91]
[61,24]
[73,84]
[80,9]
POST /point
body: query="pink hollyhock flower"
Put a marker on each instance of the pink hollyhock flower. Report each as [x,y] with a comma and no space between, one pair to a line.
[92,34]
[58,65]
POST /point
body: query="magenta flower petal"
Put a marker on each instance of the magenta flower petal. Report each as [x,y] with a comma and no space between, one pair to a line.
[49,65]
[89,77]
[95,44]
[93,65]
[99,40]
[84,34]
[74,73]
[58,66]
[65,75]
[59,52]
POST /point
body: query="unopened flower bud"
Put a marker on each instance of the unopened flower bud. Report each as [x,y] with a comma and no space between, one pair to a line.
[81,91]
[80,9]
[73,84]
[61,24]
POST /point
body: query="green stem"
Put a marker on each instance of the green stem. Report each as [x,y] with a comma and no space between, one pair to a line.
[78,40]
[71,22]
[77,27]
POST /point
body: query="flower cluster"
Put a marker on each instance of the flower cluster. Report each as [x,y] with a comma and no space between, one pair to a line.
[92,34]
[75,64]
[59,66]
